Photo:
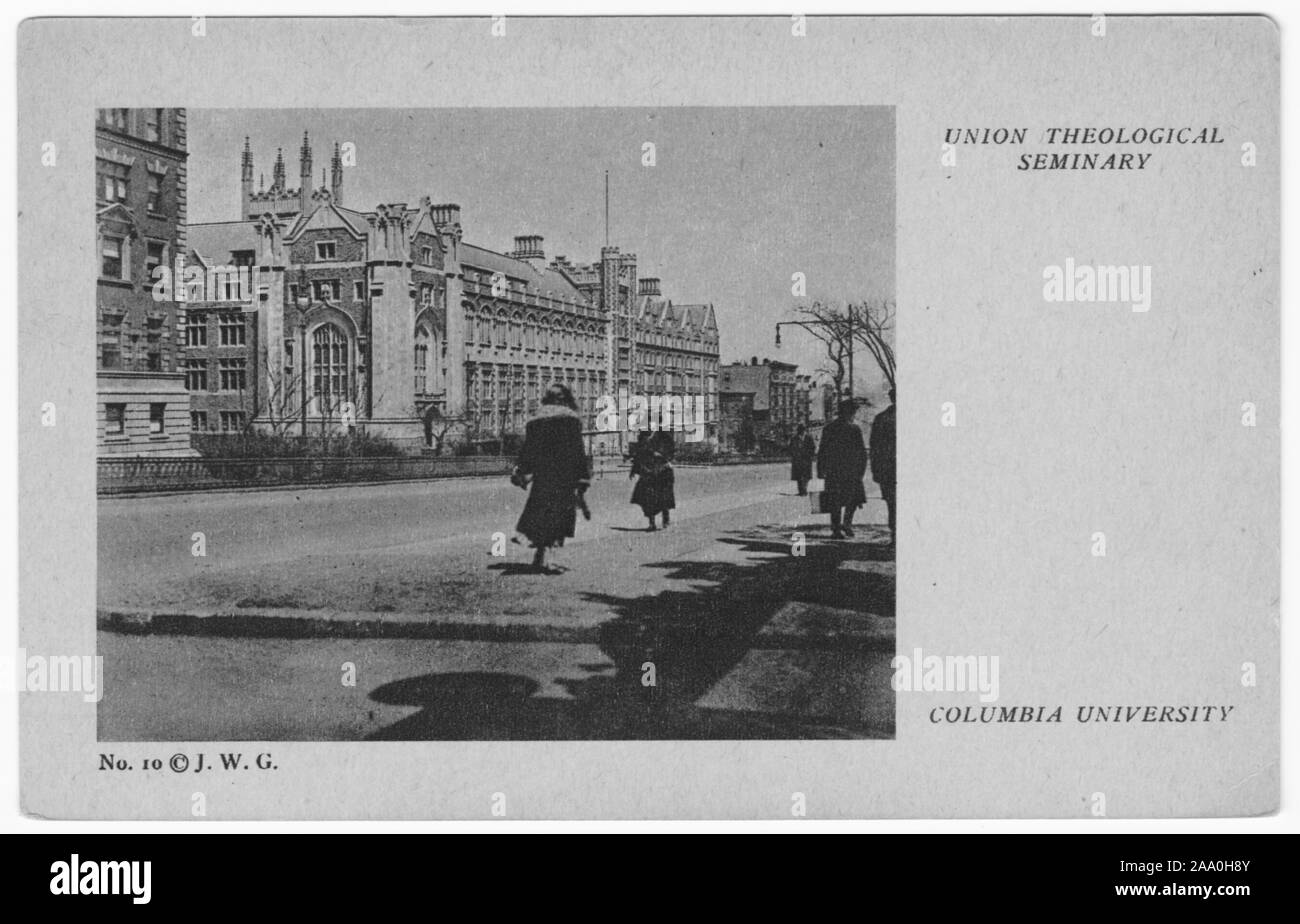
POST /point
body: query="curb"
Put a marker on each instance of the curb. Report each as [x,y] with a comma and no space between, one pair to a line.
[323,624]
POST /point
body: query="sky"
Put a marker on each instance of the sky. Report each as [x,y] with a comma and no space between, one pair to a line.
[737,201]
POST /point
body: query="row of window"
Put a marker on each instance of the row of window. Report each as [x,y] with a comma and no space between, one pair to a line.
[232,375]
[231,329]
[115,257]
[328,250]
[110,348]
[331,290]
[149,124]
[230,421]
[115,419]
[671,360]
[674,343]
[113,184]
[496,394]
[518,334]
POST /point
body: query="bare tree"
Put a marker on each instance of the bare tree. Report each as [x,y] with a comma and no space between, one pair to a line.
[868,323]
[830,325]
[438,428]
[873,327]
[277,408]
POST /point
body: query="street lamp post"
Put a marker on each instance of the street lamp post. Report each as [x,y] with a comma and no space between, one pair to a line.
[850,349]
[781,324]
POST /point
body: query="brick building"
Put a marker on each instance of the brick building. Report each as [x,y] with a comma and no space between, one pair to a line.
[778,404]
[140,188]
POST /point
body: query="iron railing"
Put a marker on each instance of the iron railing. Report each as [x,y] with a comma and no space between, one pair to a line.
[136,475]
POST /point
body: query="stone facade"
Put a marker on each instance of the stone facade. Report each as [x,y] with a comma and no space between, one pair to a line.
[409,331]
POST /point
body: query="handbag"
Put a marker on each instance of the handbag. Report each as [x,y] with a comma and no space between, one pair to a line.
[817,494]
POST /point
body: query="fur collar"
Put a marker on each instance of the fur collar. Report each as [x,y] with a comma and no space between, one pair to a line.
[554,410]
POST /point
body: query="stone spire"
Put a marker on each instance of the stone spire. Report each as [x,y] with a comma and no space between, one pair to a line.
[277,172]
[336,176]
[304,172]
[245,179]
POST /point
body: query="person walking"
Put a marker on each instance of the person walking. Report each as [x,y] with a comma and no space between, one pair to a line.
[553,461]
[841,463]
[802,452]
[655,490]
[882,458]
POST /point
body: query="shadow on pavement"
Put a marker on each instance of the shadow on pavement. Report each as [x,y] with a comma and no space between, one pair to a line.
[688,641]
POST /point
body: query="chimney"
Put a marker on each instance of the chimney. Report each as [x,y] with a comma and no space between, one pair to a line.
[753,360]
[649,285]
[445,214]
[528,247]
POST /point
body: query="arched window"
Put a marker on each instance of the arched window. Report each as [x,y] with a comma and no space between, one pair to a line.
[329,366]
[421,360]
[500,330]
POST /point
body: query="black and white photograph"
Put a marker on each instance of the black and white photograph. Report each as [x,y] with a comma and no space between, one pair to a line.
[495,423]
[496,418]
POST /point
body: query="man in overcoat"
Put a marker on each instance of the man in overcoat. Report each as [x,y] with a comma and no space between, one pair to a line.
[883,452]
[842,463]
[802,452]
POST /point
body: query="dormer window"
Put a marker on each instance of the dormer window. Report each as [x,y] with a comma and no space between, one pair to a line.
[324,250]
[426,256]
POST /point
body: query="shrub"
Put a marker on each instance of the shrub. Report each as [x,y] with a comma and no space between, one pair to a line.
[255,445]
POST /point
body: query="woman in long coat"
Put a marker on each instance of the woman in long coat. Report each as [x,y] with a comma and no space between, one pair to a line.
[553,460]
[802,452]
[655,488]
[842,462]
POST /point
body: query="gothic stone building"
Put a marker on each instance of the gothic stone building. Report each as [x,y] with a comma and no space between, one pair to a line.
[388,321]
[140,180]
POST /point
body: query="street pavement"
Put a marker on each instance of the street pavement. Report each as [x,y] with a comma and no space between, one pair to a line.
[721,626]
